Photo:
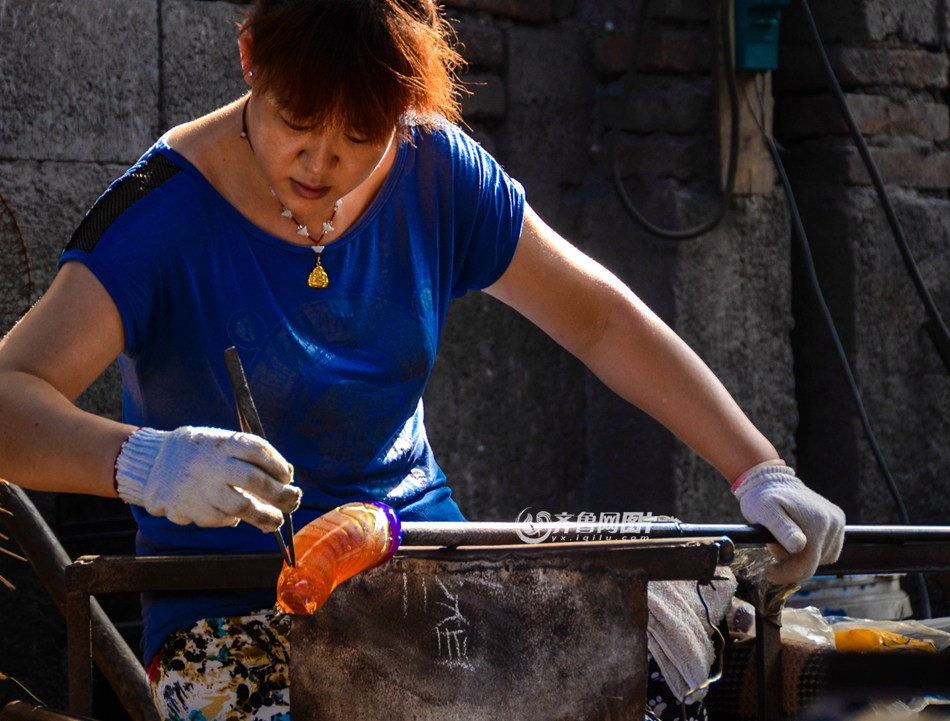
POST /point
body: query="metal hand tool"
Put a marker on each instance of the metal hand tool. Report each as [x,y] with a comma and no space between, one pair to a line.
[251,423]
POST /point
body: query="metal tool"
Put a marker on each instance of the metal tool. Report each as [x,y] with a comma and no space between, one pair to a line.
[251,423]
[451,534]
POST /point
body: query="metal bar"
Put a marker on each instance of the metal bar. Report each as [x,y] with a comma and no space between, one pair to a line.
[659,559]
[251,423]
[120,574]
[79,651]
[22,711]
[914,557]
[768,664]
[121,667]
[505,533]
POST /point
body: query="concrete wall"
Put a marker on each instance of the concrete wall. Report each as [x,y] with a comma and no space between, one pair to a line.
[86,85]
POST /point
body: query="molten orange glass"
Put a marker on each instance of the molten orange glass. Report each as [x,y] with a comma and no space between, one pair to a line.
[334,547]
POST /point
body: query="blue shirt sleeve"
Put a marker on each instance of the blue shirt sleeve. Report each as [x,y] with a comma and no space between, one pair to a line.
[124,250]
[489,212]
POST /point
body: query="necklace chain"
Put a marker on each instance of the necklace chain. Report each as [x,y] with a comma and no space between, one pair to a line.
[318,276]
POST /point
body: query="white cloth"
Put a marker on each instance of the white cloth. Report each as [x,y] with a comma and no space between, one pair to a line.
[679,636]
[207,476]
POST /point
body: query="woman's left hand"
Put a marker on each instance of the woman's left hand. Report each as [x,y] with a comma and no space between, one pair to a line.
[808,527]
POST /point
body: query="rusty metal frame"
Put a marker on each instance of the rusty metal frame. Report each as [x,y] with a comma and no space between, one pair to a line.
[691,558]
[93,575]
[120,666]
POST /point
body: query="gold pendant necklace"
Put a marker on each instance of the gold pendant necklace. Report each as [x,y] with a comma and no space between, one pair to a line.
[318,276]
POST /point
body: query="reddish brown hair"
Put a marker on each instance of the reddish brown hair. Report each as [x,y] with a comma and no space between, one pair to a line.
[364,65]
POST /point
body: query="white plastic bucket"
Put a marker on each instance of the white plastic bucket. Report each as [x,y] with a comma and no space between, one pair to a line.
[874,596]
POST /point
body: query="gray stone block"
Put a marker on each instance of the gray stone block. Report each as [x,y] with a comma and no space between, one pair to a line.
[16,269]
[47,226]
[664,50]
[533,11]
[483,45]
[486,96]
[906,388]
[550,82]
[607,14]
[857,22]
[818,115]
[79,79]
[661,155]
[681,9]
[201,65]
[628,456]
[923,22]
[913,68]
[910,166]
[661,103]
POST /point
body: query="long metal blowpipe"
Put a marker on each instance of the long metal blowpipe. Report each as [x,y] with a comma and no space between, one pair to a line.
[451,534]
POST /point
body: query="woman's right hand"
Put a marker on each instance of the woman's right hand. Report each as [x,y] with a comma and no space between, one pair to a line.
[207,476]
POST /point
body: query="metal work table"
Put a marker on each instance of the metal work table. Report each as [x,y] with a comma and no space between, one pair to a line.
[630,563]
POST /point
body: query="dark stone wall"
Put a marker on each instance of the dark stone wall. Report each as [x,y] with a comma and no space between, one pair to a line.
[893,66]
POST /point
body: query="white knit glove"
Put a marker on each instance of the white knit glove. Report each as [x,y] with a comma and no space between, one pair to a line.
[207,476]
[809,528]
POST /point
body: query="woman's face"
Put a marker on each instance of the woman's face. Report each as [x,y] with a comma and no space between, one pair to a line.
[309,168]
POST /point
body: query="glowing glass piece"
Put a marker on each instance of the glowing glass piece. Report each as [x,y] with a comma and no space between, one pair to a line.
[334,547]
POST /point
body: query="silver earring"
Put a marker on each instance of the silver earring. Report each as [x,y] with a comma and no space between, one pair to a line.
[250,74]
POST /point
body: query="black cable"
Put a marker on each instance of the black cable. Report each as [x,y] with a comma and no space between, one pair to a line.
[935,325]
[842,356]
[705,227]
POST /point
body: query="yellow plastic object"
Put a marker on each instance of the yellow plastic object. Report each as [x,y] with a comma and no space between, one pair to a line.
[870,639]
[334,547]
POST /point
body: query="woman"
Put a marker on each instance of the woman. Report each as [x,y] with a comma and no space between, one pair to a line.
[320,224]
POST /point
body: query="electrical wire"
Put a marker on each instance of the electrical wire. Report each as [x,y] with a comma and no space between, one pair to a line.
[628,204]
[720,651]
[935,325]
[5,677]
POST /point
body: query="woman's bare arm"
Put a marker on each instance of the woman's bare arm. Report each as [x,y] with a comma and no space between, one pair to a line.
[593,315]
[46,361]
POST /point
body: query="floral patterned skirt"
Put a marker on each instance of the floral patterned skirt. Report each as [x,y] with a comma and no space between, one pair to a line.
[225,669]
[662,704]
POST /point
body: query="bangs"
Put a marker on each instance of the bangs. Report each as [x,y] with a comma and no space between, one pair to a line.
[361,66]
